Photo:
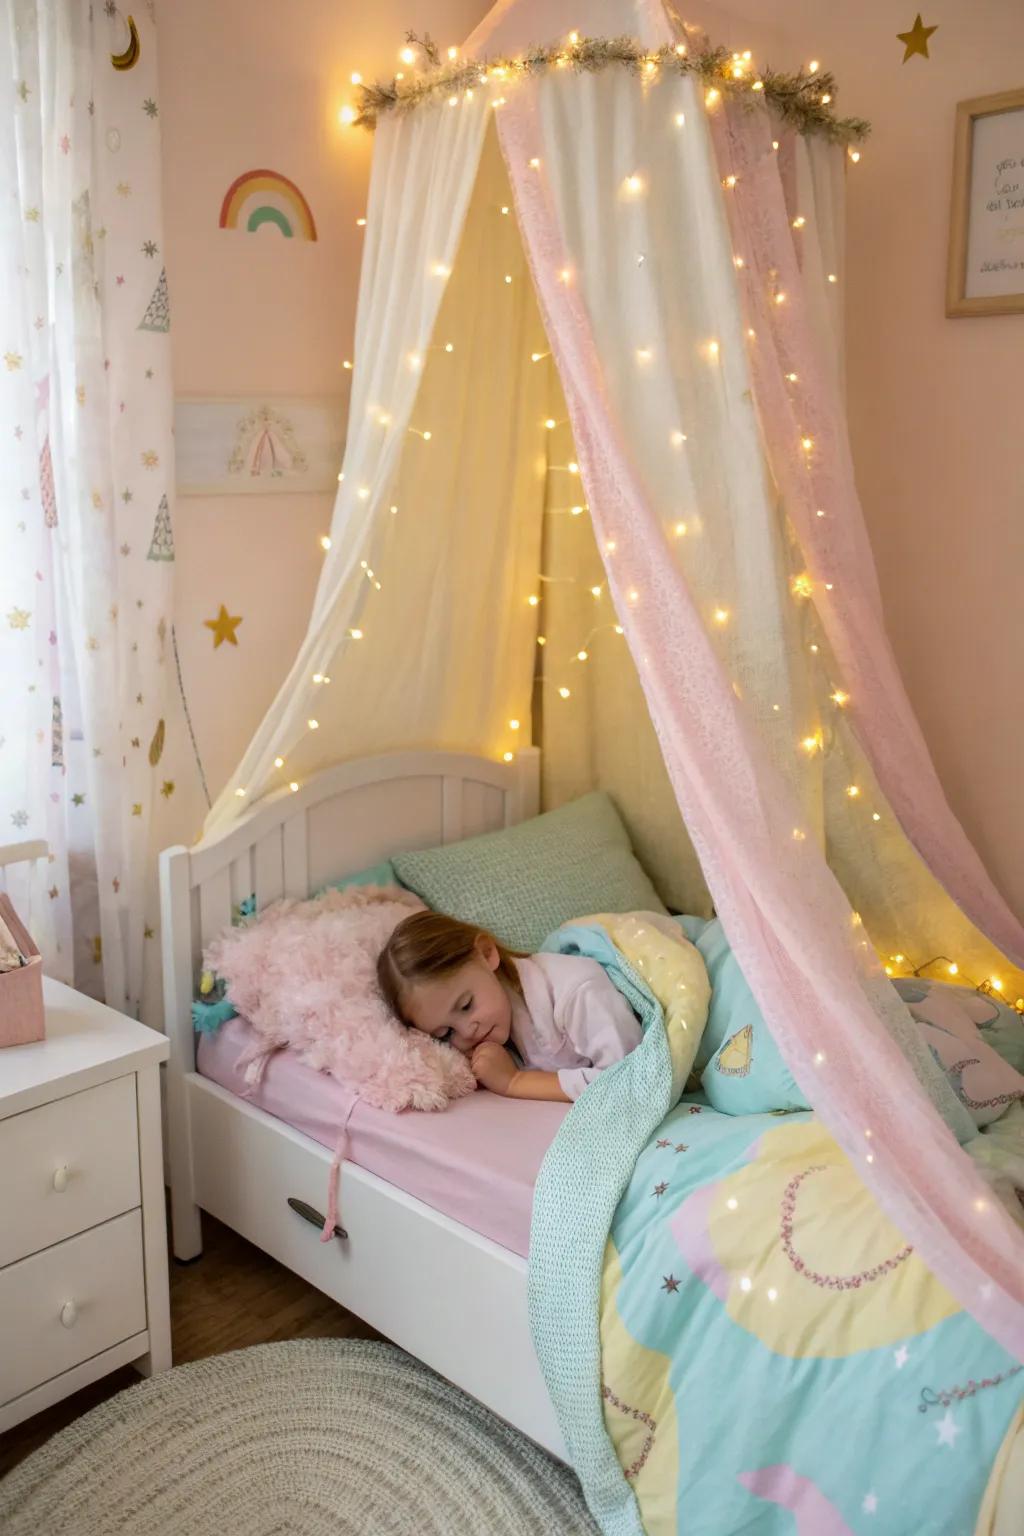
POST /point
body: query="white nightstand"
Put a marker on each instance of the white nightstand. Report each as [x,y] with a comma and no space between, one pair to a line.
[83,1240]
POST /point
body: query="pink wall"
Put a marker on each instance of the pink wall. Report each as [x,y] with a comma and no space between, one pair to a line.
[933,402]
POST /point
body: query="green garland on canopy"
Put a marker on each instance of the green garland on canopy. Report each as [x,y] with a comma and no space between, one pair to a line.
[806,101]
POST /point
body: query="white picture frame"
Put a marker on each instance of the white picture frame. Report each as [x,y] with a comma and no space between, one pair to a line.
[258,445]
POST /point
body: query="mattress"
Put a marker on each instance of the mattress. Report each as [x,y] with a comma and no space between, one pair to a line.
[476,1161]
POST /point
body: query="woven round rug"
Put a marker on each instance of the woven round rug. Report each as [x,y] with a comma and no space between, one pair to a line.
[313,1437]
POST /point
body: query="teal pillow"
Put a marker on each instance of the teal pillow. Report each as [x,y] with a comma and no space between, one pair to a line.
[377,874]
[524,882]
[743,1071]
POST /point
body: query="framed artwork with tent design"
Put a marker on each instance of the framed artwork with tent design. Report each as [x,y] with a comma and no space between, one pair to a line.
[598,495]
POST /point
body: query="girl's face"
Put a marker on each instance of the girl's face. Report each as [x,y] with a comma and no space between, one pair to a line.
[466,1007]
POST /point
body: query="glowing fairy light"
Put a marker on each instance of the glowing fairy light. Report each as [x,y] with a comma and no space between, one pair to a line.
[712,96]
[730,181]
[278,762]
[360,223]
[812,744]
[356,634]
[832,278]
[619,629]
[807,443]
[325,542]
[854,155]
[533,600]
[453,53]
[680,530]
[535,164]
[347,365]
[576,511]
[875,816]
[415,361]
[582,655]
[240,792]
[513,725]
[407,56]
[595,591]
[813,67]
[293,786]
[712,351]
[840,698]
[953,968]
[565,276]
[799,221]
[633,185]
[721,615]
[802,585]
[564,693]
[347,116]
[573,467]
[314,725]
[678,438]
[680,119]
[508,756]
[853,791]
[551,424]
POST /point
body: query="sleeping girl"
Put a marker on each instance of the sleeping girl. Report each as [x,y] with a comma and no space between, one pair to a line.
[560,1013]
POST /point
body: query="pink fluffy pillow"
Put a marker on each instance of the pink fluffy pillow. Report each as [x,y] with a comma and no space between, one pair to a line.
[304,975]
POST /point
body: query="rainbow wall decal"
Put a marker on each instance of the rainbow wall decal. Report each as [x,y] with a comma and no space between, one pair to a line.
[266,197]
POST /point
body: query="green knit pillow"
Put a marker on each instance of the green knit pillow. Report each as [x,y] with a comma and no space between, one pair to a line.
[524,882]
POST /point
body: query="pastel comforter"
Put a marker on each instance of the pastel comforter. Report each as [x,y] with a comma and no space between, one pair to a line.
[739,1343]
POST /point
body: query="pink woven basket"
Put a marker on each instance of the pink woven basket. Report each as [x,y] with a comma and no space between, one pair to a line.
[22,1017]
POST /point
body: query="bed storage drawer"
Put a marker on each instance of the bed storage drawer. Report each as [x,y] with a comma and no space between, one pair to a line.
[424,1280]
[69,1302]
[68,1165]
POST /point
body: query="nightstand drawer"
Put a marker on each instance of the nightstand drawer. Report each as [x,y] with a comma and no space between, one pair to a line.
[62,1306]
[68,1165]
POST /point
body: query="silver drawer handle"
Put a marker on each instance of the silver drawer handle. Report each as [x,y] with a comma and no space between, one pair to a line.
[60,1178]
[69,1314]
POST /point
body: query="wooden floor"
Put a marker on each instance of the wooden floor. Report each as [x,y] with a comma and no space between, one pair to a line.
[235,1295]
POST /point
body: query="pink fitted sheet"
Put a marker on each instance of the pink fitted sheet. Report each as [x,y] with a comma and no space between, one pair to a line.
[476,1161]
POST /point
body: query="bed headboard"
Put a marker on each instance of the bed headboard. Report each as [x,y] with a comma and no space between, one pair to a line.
[341,820]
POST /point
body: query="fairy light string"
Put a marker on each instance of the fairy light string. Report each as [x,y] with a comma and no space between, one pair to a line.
[804,99]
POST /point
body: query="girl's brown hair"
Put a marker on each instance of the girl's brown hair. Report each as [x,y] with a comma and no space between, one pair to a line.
[428,946]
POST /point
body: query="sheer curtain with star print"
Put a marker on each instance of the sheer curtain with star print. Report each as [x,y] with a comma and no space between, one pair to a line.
[85,480]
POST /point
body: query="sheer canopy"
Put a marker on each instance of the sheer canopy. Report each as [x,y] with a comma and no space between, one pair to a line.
[598,481]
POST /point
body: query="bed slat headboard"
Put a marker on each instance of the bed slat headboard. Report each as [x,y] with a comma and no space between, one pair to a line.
[341,820]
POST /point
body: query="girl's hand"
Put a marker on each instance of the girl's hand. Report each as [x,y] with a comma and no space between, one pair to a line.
[493,1067]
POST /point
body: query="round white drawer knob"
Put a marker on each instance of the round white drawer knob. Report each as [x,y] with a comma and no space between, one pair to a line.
[69,1314]
[60,1179]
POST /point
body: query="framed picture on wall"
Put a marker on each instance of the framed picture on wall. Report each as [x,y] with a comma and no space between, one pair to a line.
[986,232]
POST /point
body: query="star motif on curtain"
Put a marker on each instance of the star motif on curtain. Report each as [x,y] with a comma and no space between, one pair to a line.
[670,1284]
[901,1356]
[167,789]
[659,1190]
[223,626]
[53,893]
[870,1504]
[18,618]
[137,808]
[77,799]
[916,40]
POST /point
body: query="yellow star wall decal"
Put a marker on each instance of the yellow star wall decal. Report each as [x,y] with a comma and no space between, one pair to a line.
[223,626]
[916,40]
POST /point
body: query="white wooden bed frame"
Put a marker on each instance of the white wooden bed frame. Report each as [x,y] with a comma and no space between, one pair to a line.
[440,1290]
